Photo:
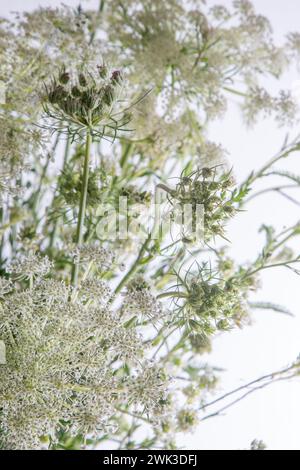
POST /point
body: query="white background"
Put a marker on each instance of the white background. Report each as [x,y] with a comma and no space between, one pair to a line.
[273,340]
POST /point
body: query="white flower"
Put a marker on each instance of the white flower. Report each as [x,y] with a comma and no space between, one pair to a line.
[95,290]
[211,153]
[149,389]
[85,254]
[29,266]
[140,301]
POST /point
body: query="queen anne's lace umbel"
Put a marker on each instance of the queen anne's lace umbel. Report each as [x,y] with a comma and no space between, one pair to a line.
[58,365]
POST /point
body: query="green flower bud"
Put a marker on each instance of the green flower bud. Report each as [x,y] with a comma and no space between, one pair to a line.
[64,78]
[108,96]
[116,78]
[82,80]
[76,92]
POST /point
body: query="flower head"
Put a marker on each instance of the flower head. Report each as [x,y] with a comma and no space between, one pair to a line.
[139,300]
[63,364]
[103,258]
[6,286]
[29,266]
[86,100]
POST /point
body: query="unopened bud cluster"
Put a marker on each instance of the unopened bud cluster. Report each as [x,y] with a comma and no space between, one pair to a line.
[85,98]
[215,193]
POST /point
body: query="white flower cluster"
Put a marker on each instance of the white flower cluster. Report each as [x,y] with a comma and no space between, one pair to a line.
[211,153]
[294,45]
[5,286]
[139,300]
[59,357]
[260,101]
[194,53]
[95,290]
[149,389]
[93,253]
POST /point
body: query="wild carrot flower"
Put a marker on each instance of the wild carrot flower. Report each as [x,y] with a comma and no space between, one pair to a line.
[59,367]
[139,300]
[93,253]
[29,266]
[86,101]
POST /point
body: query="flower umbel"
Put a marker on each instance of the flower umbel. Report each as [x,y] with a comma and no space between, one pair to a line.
[86,101]
[29,266]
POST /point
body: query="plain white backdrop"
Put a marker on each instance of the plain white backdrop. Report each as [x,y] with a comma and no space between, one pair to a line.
[273,340]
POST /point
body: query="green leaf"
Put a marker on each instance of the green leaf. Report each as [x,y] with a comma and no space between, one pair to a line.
[130,322]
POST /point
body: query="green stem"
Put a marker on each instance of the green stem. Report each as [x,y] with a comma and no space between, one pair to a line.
[100,10]
[235,92]
[284,152]
[135,265]
[82,208]
[269,266]
[126,154]
[74,296]
[66,155]
[2,233]
[173,294]
[36,196]
[133,415]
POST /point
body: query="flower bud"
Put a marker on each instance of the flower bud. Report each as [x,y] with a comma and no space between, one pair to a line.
[116,78]
[82,80]
[108,96]
[102,69]
[64,78]
[207,172]
[87,99]
[76,92]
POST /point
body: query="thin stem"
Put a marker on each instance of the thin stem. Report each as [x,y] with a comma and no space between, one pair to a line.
[235,92]
[284,152]
[274,265]
[173,294]
[165,341]
[36,196]
[82,208]
[245,395]
[126,154]
[133,415]
[266,377]
[267,190]
[74,296]
[100,10]
[135,265]
[65,160]
[2,233]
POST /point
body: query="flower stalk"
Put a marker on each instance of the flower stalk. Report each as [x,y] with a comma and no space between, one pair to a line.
[82,208]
